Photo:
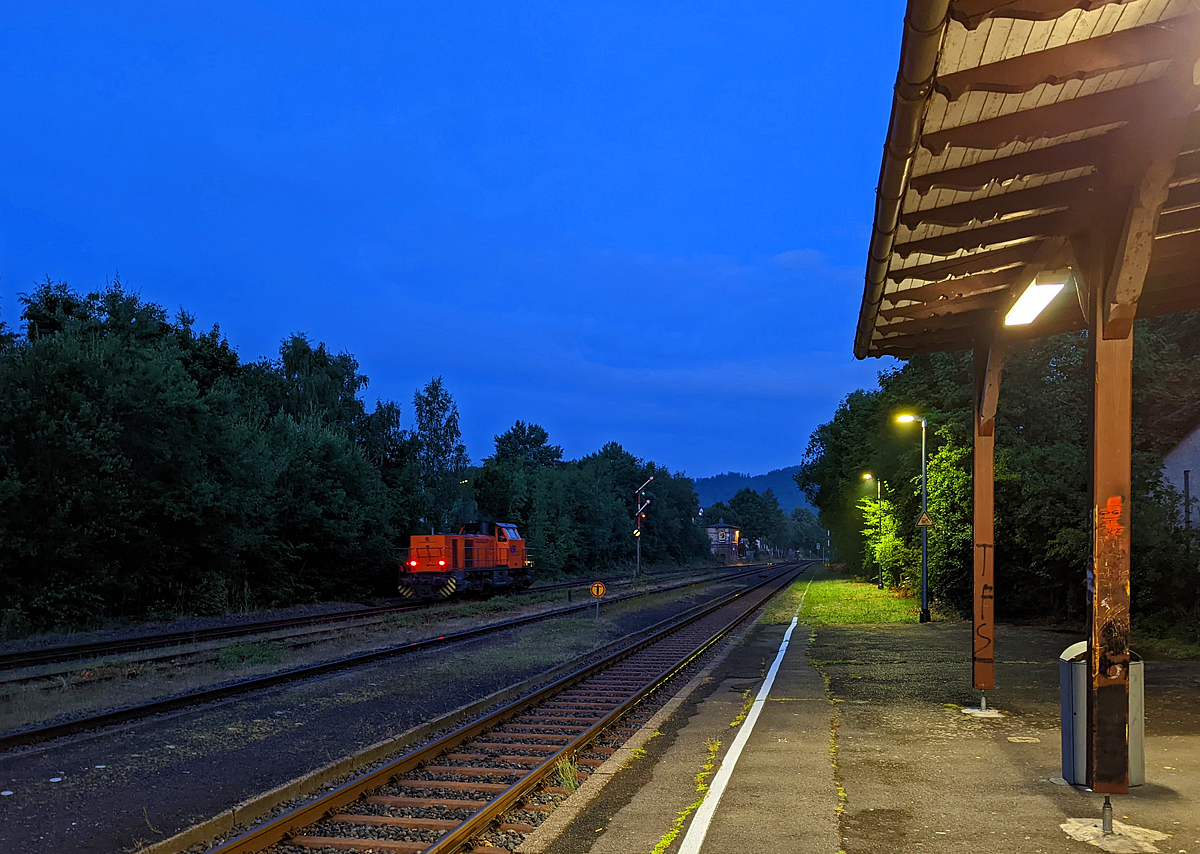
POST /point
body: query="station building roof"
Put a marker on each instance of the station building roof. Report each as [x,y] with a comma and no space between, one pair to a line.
[1012,123]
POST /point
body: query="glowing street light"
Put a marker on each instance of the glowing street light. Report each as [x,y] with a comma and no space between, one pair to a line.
[1037,295]
[909,419]
[879,513]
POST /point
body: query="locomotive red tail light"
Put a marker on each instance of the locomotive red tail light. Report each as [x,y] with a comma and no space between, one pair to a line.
[412,563]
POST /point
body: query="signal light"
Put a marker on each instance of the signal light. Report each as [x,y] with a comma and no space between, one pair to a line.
[441,563]
[412,563]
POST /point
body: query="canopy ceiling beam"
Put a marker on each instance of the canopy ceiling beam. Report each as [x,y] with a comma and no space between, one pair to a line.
[1142,217]
[965,286]
[945,307]
[932,324]
[1016,167]
[1051,195]
[1041,226]
[964,265]
[1071,115]
[1182,196]
[972,13]
[1078,60]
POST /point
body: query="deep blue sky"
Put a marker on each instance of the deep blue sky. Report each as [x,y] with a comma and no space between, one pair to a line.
[622,222]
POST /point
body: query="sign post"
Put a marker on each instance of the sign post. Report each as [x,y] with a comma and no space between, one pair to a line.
[598,593]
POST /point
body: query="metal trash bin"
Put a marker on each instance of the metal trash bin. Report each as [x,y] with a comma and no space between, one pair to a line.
[1072,692]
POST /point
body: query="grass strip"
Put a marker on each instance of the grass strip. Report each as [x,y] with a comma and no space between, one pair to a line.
[834,601]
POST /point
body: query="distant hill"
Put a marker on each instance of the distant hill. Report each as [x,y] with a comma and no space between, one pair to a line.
[722,487]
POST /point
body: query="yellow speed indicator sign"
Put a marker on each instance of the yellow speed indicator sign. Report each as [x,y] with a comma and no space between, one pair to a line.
[598,589]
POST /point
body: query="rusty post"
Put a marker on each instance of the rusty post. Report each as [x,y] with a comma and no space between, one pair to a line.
[1108,653]
[987,377]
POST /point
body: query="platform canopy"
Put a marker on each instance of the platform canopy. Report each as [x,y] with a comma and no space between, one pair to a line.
[1018,130]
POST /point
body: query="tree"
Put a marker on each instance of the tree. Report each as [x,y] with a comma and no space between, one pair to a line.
[527,443]
[441,456]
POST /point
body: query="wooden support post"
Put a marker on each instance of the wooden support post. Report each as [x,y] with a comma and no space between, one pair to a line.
[1115,264]
[1112,440]
[988,363]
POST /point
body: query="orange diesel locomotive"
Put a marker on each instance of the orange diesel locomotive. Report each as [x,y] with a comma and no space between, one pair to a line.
[482,558]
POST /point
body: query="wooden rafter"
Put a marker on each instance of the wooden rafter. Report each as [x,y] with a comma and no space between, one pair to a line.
[1043,197]
[1176,222]
[965,286]
[945,307]
[1182,196]
[1079,60]
[999,170]
[1047,122]
[968,319]
[972,13]
[966,265]
[1187,166]
[1044,225]
[1173,288]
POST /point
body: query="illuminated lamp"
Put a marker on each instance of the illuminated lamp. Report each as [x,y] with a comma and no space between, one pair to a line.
[1040,292]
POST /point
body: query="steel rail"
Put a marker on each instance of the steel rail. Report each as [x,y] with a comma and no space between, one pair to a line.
[287,824]
[98,649]
[56,654]
[51,731]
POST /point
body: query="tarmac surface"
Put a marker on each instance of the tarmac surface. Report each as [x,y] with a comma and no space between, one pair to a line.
[863,746]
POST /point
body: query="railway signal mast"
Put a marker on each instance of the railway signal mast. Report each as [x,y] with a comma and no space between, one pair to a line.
[640,515]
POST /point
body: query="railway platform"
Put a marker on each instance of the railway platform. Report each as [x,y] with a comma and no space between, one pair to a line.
[862,745]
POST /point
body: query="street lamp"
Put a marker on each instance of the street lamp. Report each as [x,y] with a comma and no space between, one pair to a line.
[879,513]
[909,419]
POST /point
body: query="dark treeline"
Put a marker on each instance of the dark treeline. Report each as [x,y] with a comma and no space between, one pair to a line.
[1043,528]
[145,470]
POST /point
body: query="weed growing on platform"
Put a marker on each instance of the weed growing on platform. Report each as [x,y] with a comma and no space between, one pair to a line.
[747,704]
[710,762]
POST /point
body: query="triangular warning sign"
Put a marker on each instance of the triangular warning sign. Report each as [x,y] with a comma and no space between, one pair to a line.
[926,521]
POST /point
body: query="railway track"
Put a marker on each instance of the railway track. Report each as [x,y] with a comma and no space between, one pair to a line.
[482,787]
[101,649]
[85,723]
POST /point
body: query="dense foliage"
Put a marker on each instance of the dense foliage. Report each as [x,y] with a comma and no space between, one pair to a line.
[1042,470]
[146,470]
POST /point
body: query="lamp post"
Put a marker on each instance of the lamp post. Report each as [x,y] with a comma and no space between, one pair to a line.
[908,419]
[879,514]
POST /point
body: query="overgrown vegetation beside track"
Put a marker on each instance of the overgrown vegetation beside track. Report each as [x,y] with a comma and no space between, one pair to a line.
[1043,545]
[835,599]
[146,471]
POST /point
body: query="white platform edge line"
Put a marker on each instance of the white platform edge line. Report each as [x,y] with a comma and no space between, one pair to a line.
[698,829]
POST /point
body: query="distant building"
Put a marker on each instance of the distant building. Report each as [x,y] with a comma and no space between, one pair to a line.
[724,539]
[1181,468]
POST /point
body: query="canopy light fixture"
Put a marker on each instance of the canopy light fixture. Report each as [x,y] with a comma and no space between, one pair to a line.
[1040,292]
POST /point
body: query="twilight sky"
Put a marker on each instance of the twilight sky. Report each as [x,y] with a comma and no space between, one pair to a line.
[623,222]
